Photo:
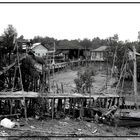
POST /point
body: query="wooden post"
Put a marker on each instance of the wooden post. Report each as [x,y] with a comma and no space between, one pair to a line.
[25,109]
[52,108]
[62,88]
[49,78]
[59,105]
[105,102]
[70,102]
[57,91]
[81,110]
[10,106]
[0,107]
[73,107]
[53,69]
[111,102]
[135,76]
[64,104]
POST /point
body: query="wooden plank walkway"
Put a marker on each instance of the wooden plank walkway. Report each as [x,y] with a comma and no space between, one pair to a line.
[69,104]
[17,94]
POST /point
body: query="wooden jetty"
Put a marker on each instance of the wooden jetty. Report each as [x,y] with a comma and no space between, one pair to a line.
[75,105]
[70,64]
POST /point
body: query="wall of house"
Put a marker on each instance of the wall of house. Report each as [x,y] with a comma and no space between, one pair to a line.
[40,50]
[98,56]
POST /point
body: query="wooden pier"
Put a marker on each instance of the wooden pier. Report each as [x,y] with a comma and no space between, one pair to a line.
[71,64]
[57,105]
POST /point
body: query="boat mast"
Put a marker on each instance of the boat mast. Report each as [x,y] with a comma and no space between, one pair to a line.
[135,75]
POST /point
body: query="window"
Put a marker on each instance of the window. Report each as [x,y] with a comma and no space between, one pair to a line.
[101,55]
[95,54]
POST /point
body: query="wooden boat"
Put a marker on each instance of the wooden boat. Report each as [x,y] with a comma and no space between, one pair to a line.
[129,118]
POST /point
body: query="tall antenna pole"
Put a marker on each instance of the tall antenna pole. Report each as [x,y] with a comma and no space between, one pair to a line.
[135,75]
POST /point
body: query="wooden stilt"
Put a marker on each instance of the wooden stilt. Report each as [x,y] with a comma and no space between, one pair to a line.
[70,102]
[62,88]
[0,107]
[81,110]
[57,91]
[107,102]
[64,105]
[73,107]
[59,106]
[25,109]
[11,106]
[111,102]
[52,108]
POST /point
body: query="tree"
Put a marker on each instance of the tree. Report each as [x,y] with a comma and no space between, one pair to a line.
[115,37]
[21,37]
[8,44]
[48,41]
[84,80]
[9,36]
[37,39]
[118,50]
[139,35]
[86,43]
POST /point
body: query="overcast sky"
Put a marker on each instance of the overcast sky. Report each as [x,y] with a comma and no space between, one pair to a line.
[72,21]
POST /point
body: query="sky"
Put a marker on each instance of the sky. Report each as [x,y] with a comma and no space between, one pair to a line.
[72,21]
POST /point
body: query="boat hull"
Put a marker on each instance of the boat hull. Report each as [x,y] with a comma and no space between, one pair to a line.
[127,121]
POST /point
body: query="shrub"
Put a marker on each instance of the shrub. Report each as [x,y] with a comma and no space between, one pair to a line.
[84,80]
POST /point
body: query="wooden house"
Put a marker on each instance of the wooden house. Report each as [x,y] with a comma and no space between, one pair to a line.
[98,54]
[39,49]
[73,51]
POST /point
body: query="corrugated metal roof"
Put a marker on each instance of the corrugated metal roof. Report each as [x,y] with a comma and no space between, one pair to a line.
[35,44]
[102,48]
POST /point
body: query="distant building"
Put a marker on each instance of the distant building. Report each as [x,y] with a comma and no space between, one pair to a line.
[98,54]
[73,52]
[24,45]
[39,50]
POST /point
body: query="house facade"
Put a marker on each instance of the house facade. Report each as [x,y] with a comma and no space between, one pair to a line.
[39,50]
[98,54]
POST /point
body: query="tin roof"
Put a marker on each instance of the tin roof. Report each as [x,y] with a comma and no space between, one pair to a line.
[102,48]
